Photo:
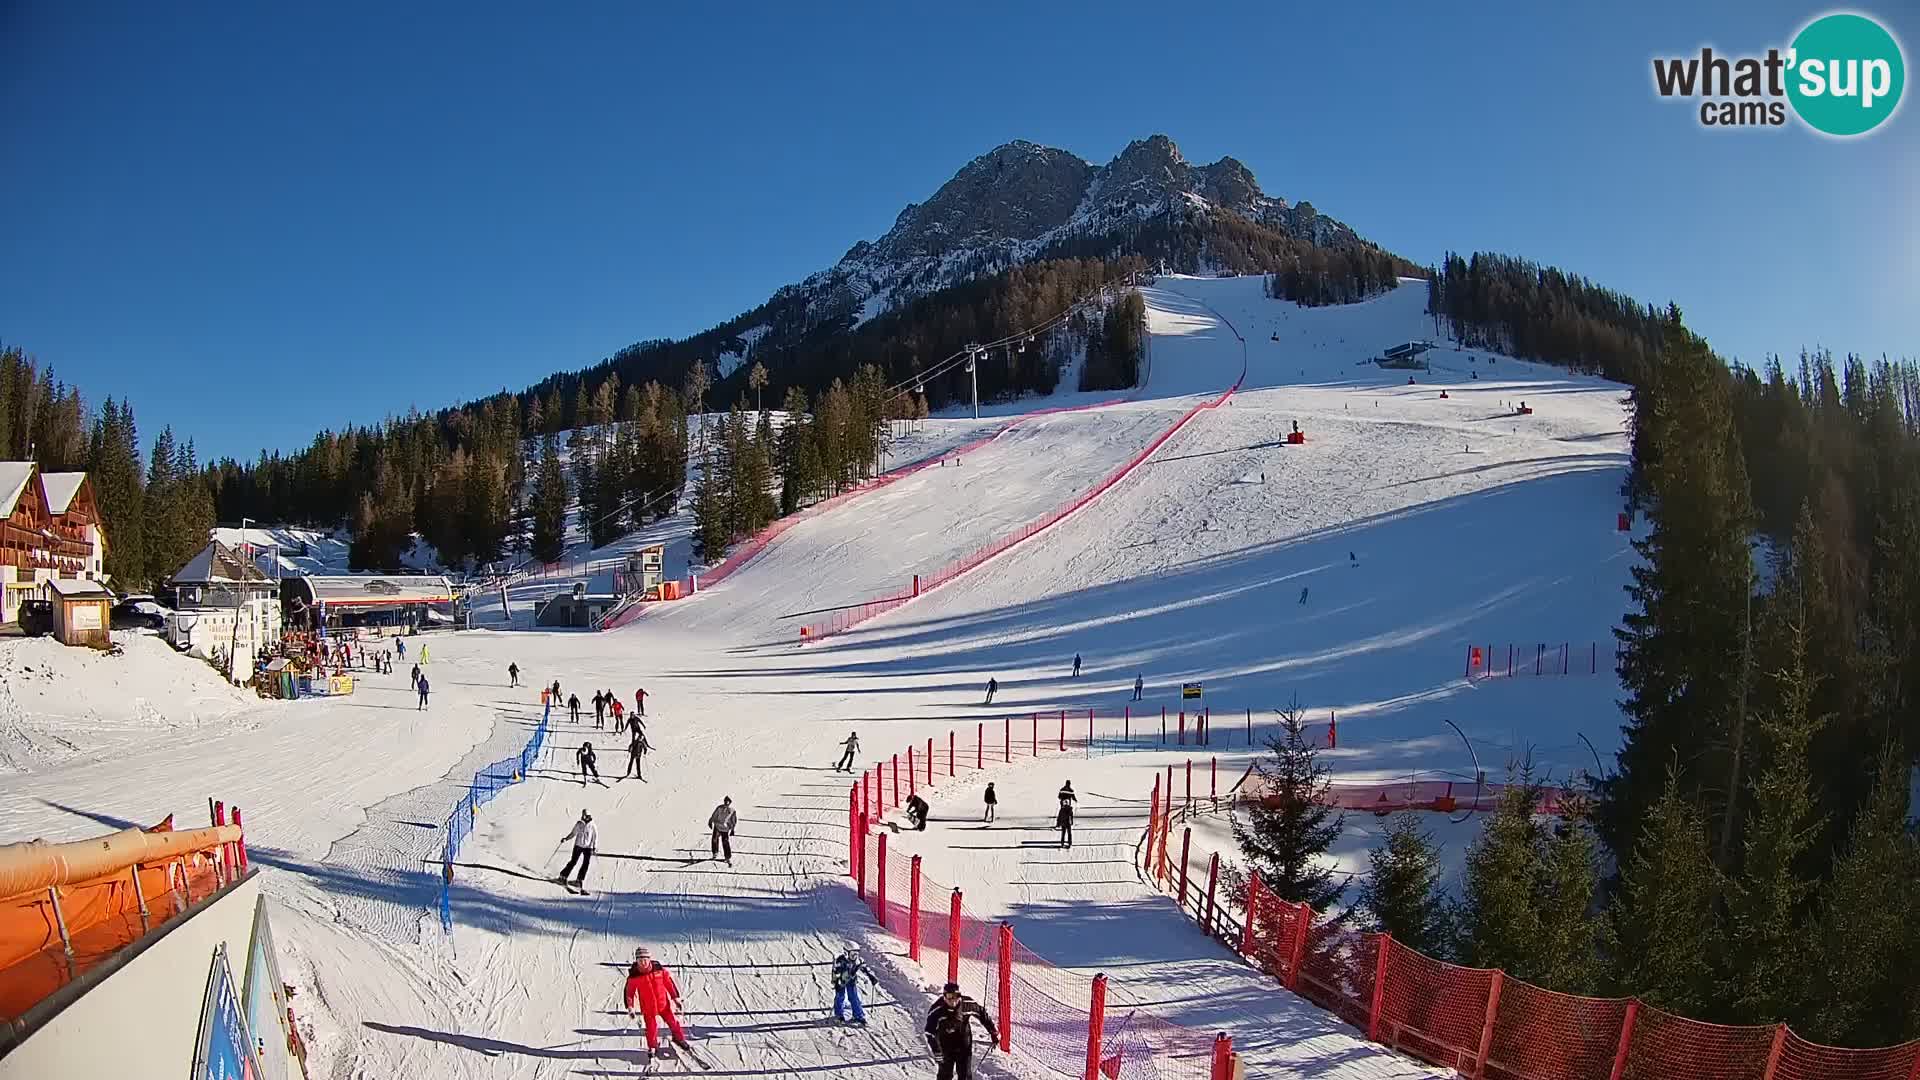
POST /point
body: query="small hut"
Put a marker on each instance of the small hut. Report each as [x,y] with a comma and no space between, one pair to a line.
[81,613]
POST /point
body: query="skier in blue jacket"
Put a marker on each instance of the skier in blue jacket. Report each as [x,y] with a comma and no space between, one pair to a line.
[847,969]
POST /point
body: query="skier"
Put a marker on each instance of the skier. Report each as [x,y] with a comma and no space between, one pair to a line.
[1139,686]
[950,1032]
[992,685]
[1064,820]
[573,706]
[1076,665]
[640,703]
[421,685]
[917,812]
[513,675]
[651,988]
[636,725]
[415,679]
[847,969]
[585,757]
[993,801]
[1353,560]
[722,821]
[556,693]
[1303,594]
[599,709]
[852,743]
[583,842]
[400,646]
[636,750]
[619,711]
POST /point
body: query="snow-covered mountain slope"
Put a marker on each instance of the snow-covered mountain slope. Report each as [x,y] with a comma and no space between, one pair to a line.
[1467,523]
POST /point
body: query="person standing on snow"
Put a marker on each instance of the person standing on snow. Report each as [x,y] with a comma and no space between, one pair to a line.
[573,706]
[993,801]
[636,751]
[400,646]
[1303,594]
[1076,665]
[1139,686]
[650,987]
[722,821]
[585,757]
[583,837]
[421,685]
[619,710]
[852,743]
[917,810]
[599,709]
[513,675]
[1064,820]
[950,1032]
[636,725]
[992,685]
[415,680]
[847,969]
[640,703]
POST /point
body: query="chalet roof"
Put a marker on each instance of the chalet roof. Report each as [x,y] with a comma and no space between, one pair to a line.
[61,487]
[13,480]
[218,564]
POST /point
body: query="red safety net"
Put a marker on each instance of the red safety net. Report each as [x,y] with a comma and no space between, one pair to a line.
[1484,1023]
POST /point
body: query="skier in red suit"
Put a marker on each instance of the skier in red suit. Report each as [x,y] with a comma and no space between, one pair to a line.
[651,989]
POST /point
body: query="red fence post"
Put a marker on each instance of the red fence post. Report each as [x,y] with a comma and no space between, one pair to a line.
[860,861]
[1222,1066]
[1183,727]
[853,828]
[1189,785]
[240,845]
[913,910]
[1089,731]
[1773,1053]
[1036,735]
[953,938]
[1252,914]
[980,745]
[1298,951]
[1063,731]
[1379,988]
[1213,880]
[1594,660]
[1626,1039]
[1096,1026]
[1509,658]
[1006,736]
[1213,781]
[896,780]
[1186,842]
[910,776]
[953,766]
[929,761]
[1006,986]
[1153,818]
[880,883]
[1126,724]
[1249,727]
[1163,725]
[1486,1027]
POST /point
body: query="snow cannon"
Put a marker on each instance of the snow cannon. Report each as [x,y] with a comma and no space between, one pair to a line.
[1525,409]
[1296,437]
[803,633]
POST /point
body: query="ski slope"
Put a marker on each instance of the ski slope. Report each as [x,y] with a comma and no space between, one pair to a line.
[1468,523]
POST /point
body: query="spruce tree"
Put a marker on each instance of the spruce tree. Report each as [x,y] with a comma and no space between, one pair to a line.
[550,499]
[1500,920]
[1565,955]
[1403,893]
[1284,834]
[1863,990]
[161,511]
[1667,941]
[710,536]
[757,380]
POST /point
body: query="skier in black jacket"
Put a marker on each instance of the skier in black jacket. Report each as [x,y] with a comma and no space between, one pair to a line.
[950,1032]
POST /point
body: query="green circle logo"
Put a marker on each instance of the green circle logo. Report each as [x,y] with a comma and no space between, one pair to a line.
[1846,74]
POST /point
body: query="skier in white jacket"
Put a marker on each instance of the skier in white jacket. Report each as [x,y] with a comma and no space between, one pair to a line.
[722,821]
[583,837]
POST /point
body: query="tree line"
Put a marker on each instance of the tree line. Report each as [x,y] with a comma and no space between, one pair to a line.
[156,508]
[1513,306]
[1748,859]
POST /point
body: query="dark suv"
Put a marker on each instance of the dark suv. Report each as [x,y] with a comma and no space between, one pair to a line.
[36,617]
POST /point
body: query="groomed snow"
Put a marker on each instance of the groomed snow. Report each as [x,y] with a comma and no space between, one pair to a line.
[1469,524]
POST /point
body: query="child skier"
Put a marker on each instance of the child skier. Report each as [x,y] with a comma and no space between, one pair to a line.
[993,801]
[651,989]
[585,757]
[847,969]
[1064,820]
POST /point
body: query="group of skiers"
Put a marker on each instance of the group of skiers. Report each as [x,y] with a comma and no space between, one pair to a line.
[1139,681]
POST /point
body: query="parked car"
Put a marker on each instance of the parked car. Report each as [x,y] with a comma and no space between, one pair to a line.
[138,613]
[36,617]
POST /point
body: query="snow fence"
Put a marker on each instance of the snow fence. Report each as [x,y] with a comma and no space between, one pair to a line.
[1057,1017]
[1481,1022]
[488,782]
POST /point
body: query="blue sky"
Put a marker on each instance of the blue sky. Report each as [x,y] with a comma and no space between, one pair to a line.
[259,223]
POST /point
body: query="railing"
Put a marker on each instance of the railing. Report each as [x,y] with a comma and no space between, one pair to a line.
[1483,1022]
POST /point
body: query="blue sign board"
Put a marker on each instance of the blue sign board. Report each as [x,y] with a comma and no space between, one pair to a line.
[225,1049]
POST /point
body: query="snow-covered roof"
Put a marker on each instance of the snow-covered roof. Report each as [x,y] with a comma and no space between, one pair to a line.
[61,487]
[370,590]
[78,589]
[13,480]
[217,564]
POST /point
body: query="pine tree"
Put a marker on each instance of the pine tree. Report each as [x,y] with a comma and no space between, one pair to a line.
[1500,921]
[160,510]
[446,522]
[1284,834]
[1863,991]
[1565,955]
[1403,893]
[550,499]
[788,458]
[757,380]
[1668,942]
[489,506]
[113,466]
[710,535]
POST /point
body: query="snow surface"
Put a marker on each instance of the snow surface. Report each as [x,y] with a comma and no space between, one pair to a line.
[1469,524]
